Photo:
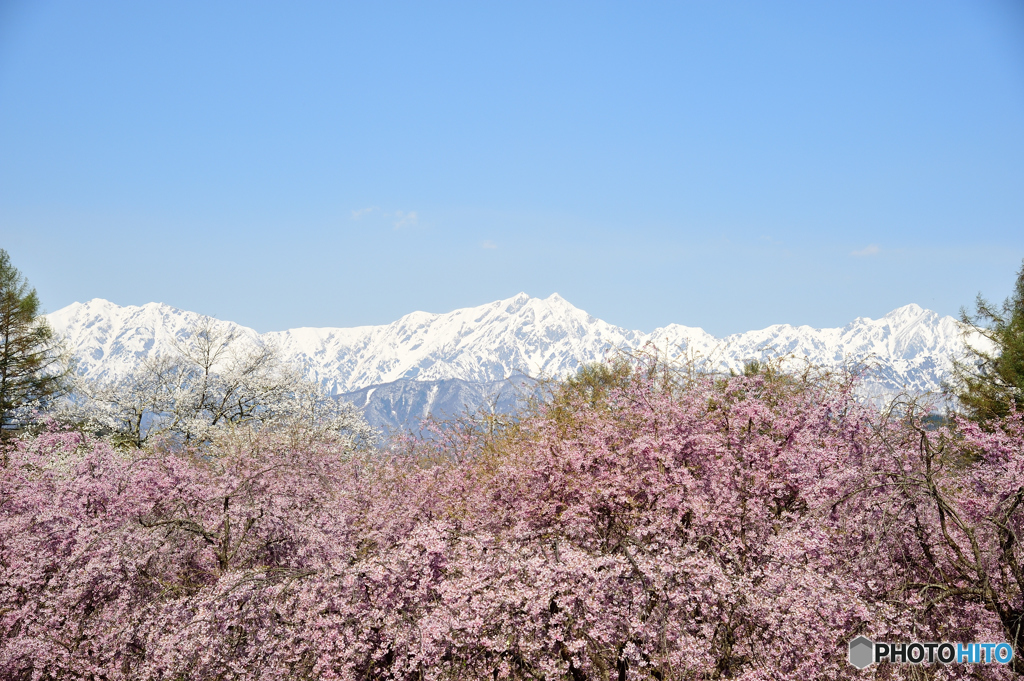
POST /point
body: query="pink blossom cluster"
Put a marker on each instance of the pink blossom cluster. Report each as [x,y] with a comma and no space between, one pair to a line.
[739,528]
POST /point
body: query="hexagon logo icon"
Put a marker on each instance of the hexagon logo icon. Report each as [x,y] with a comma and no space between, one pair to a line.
[862,652]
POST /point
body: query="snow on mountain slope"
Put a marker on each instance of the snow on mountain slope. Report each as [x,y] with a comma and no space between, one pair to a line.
[403,404]
[521,335]
[908,348]
[108,340]
[911,346]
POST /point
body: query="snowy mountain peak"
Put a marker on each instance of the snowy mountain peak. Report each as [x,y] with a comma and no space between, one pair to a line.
[911,346]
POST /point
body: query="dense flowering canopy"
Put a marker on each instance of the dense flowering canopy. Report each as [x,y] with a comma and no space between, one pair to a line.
[730,528]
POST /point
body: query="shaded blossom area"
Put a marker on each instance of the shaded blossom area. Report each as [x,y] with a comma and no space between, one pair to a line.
[711,528]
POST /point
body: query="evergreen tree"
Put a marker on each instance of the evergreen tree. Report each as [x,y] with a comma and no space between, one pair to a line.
[988,381]
[32,367]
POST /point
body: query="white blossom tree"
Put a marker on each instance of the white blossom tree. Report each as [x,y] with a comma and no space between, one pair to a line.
[215,380]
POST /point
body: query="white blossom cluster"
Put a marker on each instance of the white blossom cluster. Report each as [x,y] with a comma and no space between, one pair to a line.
[212,382]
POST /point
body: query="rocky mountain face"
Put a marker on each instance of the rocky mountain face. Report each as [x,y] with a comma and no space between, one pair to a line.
[455,356]
[404,404]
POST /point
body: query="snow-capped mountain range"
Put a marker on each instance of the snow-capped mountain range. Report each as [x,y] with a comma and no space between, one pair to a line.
[911,347]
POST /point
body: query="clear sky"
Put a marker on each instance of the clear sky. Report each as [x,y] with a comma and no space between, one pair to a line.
[719,164]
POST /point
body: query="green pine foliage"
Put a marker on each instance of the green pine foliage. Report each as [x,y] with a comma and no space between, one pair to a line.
[989,383]
[33,369]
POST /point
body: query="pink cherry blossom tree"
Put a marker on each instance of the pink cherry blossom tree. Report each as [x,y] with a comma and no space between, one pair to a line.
[713,527]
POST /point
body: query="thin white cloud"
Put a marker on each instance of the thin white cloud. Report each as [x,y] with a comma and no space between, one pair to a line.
[405,219]
[869,250]
[488,244]
[362,212]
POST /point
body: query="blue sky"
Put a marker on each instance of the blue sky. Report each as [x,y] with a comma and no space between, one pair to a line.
[727,165]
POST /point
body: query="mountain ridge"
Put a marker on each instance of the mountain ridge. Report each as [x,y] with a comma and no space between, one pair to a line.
[911,345]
